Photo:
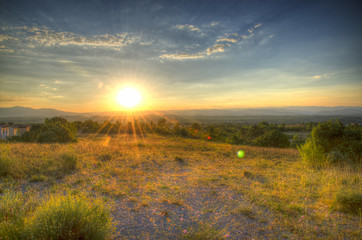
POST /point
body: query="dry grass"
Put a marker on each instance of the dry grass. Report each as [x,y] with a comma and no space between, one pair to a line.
[181,188]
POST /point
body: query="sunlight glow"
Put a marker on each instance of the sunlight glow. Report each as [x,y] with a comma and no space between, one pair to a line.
[129,97]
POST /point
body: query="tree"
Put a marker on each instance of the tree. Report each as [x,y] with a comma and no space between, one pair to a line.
[332,142]
[56,129]
[272,138]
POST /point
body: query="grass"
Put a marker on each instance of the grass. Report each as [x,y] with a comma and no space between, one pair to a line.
[70,217]
[269,193]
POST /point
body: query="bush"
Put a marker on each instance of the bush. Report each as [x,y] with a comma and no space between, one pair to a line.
[68,161]
[4,166]
[349,202]
[312,154]
[70,218]
[272,138]
[105,157]
[53,130]
[332,142]
[13,209]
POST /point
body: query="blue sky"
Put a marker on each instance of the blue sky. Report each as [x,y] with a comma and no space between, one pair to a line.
[76,55]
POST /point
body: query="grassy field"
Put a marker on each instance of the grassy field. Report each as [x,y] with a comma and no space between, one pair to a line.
[155,187]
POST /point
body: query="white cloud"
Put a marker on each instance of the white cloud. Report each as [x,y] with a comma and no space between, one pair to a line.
[219,47]
[182,56]
[258,25]
[212,24]
[45,37]
[188,27]
[233,40]
[58,82]
[7,50]
[4,37]
[317,77]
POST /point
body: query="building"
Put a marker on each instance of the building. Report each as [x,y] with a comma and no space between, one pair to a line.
[8,131]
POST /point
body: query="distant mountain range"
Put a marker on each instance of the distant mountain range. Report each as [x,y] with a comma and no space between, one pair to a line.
[267,111]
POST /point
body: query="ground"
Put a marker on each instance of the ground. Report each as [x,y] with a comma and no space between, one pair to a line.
[174,188]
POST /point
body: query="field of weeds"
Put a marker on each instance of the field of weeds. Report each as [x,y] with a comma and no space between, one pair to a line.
[157,187]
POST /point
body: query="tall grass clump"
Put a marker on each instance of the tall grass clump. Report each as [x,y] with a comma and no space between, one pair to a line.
[11,167]
[13,209]
[349,202]
[70,217]
[4,166]
[68,161]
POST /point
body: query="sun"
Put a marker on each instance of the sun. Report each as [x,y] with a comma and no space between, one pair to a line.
[129,97]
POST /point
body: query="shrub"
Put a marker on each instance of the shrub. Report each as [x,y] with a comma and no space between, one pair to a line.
[105,157]
[11,167]
[332,142]
[272,138]
[56,129]
[179,160]
[13,209]
[312,154]
[70,217]
[349,202]
[68,161]
[4,166]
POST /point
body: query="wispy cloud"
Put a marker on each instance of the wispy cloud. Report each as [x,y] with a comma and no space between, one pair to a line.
[258,25]
[219,47]
[182,56]
[233,40]
[4,37]
[222,42]
[44,37]
[188,27]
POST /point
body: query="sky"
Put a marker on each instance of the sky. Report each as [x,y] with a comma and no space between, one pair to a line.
[76,55]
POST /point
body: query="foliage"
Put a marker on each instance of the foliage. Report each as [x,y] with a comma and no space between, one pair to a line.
[332,142]
[70,217]
[68,161]
[13,209]
[56,129]
[297,141]
[272,138]
[349,202]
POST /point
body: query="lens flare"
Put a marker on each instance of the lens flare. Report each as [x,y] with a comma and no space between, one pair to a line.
[240,153]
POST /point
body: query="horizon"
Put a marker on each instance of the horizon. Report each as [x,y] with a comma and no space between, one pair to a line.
[185,110]
[187,55]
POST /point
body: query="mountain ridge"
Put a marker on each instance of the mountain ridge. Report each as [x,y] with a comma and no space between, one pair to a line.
[19,111]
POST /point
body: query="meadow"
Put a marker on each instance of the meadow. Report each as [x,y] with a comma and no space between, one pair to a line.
[164,187]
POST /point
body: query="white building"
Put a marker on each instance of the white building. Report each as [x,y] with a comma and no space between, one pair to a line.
[7,131]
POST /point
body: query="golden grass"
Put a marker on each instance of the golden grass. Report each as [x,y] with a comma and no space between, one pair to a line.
[267,193]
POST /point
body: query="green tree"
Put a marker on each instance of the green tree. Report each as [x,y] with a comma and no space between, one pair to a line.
[56,129]
[332,142]
[272,138]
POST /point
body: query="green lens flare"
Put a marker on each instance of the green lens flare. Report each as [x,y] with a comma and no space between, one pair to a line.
[240,154]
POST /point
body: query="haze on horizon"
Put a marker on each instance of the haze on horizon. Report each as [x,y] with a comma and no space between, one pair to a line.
[76,55]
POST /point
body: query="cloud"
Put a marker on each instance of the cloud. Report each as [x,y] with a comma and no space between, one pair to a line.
[4,37]
[58,82]
[212,24]
[188,27]
[219,47]
[51,38]
[258,25]
[233,40]
[7,99]
[182,56]
[34,37]
[317,77]
[6,50]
